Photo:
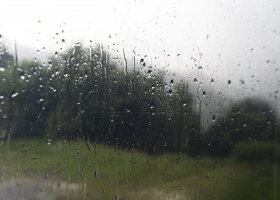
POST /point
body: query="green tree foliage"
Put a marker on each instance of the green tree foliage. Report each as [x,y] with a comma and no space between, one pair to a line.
[249,120]
[6,59]
[83,94]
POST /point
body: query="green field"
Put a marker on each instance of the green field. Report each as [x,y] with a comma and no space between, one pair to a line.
[62,170]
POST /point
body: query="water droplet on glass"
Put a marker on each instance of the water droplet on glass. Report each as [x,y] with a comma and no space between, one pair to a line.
[14,95]
[46,176]
[97,174]
[203,93]
[212,81]
[195,80]
[2,69]
[213,118]
[170,92]
[229,82]
[49,141]
[171,82]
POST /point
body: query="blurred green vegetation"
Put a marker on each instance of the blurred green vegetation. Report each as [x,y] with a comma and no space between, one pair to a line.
[122,131]
[81,93]
[249,120]
[107,172]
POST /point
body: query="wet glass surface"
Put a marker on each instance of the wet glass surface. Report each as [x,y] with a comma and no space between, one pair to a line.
[139,100]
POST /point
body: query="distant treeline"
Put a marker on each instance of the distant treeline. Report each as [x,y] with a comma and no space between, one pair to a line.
[83,95]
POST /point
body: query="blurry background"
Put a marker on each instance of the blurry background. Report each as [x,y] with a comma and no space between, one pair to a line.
[139,99]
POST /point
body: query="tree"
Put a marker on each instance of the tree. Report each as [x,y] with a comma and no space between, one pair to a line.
[245,121]
[84,95]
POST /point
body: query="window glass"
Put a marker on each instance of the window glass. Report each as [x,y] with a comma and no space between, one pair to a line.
[139,99]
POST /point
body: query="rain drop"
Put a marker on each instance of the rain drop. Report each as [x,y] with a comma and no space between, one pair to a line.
[97,174]
[48,141]
[14,95]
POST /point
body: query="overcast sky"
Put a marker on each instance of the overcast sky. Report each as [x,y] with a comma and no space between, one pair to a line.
[236,41]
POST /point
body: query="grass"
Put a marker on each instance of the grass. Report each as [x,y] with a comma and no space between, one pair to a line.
[70,171]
